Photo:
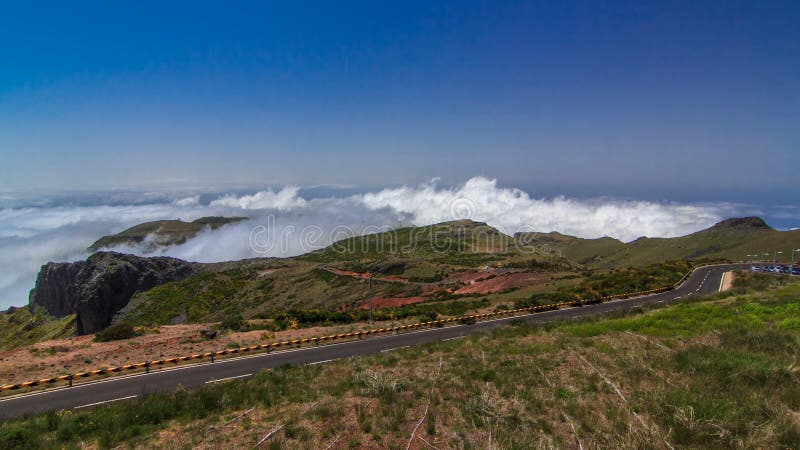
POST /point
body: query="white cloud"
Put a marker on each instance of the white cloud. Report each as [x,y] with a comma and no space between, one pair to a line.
[283,200]
[32,236]
[188,201]
[512,210]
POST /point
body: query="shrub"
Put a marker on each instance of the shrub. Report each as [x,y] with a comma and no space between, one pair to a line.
[116,332]
[468,320]
[233,323]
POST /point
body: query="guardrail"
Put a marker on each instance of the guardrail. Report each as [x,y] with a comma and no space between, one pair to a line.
[333,337]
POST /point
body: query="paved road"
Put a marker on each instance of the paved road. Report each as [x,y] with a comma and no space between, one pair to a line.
[705,280]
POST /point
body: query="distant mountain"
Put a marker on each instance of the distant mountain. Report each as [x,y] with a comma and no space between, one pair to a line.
[731,239]
[440,241]
[162,232]
[427,263]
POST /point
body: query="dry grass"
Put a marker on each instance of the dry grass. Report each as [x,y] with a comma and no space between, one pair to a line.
[734,383]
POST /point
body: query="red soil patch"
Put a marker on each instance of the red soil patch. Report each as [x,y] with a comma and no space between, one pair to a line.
[349,273]
[391,302]
[366,275]
[488,283]
[394,278]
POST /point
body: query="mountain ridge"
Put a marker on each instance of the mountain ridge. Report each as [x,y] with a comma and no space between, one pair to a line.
[162,232]
[112,286]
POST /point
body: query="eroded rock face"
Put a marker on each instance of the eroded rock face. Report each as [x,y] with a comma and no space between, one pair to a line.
[97,288]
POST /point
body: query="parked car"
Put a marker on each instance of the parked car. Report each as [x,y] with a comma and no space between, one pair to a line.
[755,268]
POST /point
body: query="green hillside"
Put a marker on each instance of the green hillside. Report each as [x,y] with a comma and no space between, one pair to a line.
[431,259]
[164,232]
[257,289]
[732,239]
[269,288]
[19,326]
[425,253]
[448,241]
[713,373]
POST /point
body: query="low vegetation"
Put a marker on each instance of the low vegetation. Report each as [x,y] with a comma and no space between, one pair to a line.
[599,284]
[461,242]
[162,232]
[703,373]
[731,239]
[116,332]
[20,326]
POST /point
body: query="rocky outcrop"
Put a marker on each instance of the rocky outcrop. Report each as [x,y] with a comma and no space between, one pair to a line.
[743,223]
[95,289]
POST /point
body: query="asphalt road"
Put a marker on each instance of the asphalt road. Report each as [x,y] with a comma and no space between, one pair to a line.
[704,280]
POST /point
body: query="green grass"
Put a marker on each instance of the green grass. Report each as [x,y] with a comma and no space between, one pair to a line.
[166,232]
[460,243]
[301,293]
[611,282]
[207,296]
[19,327]
[725,376]
[732,240]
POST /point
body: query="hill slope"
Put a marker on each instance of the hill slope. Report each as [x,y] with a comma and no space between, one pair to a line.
[714,374]
[438,266]
[20,326]
[731,239]
[162,232]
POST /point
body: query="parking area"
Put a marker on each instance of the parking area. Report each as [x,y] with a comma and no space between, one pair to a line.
[777,269]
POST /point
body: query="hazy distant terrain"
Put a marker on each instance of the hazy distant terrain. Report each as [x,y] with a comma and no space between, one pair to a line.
[35,229]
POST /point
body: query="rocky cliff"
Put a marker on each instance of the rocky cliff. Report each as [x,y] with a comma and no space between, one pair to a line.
[95,289]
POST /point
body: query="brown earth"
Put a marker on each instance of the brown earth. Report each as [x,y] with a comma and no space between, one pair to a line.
[81,353]
[392,302]
[497,283]
[471,281]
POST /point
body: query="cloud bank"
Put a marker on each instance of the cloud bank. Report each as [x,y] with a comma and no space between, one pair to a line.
[59,231]
[512,210]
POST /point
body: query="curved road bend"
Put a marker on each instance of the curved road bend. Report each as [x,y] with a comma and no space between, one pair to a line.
[704,280]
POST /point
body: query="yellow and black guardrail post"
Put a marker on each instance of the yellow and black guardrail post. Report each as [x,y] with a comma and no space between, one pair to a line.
[333,337]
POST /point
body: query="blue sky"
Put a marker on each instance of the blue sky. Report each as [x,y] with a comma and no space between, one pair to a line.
[686,100]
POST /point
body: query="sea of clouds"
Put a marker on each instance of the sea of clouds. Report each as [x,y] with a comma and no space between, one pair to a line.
[286,222]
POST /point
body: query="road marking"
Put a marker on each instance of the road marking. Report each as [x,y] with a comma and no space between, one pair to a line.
[677,297]
[395,348]
[453,338]
[321,362]
[106,401]
[263,355]
[229,378]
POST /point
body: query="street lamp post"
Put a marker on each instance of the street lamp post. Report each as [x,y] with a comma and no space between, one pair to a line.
[794,250]
[370,297]
[766,255]
[775,257]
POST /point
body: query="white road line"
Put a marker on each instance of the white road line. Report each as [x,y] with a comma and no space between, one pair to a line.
[677,297]
[229,378]
[321,362]
[721,280]
[395,348]
[105,401]
[453,338]
[262,355]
